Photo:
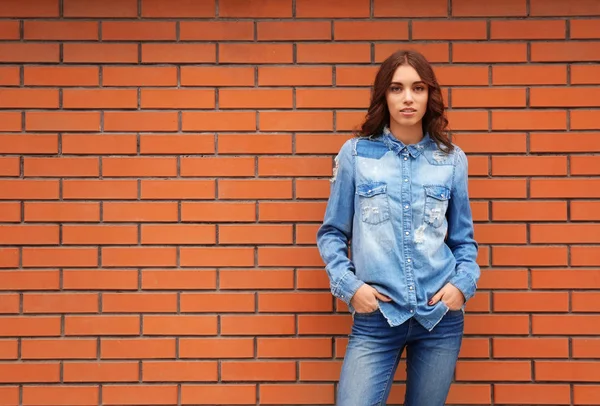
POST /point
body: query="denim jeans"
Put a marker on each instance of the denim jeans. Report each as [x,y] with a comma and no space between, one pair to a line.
[374,350]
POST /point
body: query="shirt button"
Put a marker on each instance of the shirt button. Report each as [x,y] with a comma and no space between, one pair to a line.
[410,287]
[408,260]
[406,207]
[407,233]
[406,158]
[411,311]
[406,180]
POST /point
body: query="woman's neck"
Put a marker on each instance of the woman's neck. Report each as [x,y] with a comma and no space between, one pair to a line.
[407,135]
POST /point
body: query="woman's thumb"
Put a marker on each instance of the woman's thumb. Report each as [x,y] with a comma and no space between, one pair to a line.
[381,296]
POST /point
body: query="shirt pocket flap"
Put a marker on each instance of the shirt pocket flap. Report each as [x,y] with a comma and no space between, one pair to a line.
[438,192]
[371,189]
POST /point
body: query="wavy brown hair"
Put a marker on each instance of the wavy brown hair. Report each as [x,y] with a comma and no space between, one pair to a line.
[378,116]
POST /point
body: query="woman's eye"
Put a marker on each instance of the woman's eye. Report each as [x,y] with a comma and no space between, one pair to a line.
[420,88]
[395,89]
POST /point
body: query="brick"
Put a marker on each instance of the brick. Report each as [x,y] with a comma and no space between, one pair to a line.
[294,302]
[532,394]
[570,324]
[333,53]
[536,347]
[585,394]
[62,121]
[434,52]
[255,8]
[449,30]
[370,30]
[218,394]
[495,324]
[563,188]
[10,212]
[10,75]
[139,302]
[30,372]
[9,258]
[585,348]
[255,53]
[178,53]
[312,189]
[10,166]
[216,30]
[138,31]
[554,142]
[529,75]
[565,279]
[493,371]
[489,52]
[258,371]
[529,211]
[100,99]
[85,395]
[100,53]
[294,76]
[355,75]
[564,233]
[497,188]
[462,75]
[584,165]
[117,279]
[501,233]
[529,165]
[288,256]
[216,76]
[38,326]
[216,348]
[320,370]
[10,30]
[177,8]
[100,189]
[97,8]
[29,52]
[140,394]
[256,279]
[563,52]
[294,348]
[102,325]
[59,257]
[583,371]
[9,304]
[59,167]
[324,324]
[30,280]
[585,210]
[516,302]
[306,233]
[135,348]
[101,372]
[60,303]
[138,167]
[332,98]
[140,121]
[558,8]
[257,325]
[529,120]
[255,234]
[584,120]
[216,256]
[585,301]
[255,189]
[296,121]
[29,144]
[528,29]
[291,211]
[218,121]
[564,97]
[63,348]
[60,30]
[585,256]
[171,144]
[255,98]
[293,30]
[179,234]
[217,302]
[488,98]
[491,143]
[181,325]
[222,212]
[29,8]
[585,74]
[426,8]
[314,166]
[474,8]
[10,121]
[161,279]
[468,120]
[255,144]
[138,256]
[332,9]
[139,76]
[529,255]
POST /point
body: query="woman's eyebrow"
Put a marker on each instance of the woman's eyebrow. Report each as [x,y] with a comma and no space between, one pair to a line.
[419,82]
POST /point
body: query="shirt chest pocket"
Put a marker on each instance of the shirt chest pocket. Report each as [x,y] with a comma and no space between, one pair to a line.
[436,204]
[373,202]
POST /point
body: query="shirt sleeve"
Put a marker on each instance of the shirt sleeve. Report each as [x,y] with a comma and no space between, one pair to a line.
[460,230]
[335,233]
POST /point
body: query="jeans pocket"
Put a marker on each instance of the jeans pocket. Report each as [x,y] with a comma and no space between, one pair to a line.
[373,202]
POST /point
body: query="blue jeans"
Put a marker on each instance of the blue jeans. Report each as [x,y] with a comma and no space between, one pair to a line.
[373,352]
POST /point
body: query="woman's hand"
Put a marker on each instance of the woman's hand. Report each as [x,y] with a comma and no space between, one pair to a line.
[450,295]
[365,299]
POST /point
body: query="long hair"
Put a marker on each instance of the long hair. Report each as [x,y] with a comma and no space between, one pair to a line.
[378,116]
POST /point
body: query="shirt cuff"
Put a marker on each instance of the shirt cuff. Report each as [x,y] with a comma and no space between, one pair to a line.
[465,284]
[347,287]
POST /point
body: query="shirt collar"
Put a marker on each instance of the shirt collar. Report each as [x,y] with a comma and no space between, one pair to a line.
[397,146]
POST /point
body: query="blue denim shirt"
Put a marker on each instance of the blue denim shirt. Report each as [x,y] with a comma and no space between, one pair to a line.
[406,210]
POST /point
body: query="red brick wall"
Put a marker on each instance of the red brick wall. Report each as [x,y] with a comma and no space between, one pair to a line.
[165,167]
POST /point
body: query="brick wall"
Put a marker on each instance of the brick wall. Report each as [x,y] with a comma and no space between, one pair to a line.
[165,167]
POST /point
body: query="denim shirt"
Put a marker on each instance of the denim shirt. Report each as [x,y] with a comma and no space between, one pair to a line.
[406,211]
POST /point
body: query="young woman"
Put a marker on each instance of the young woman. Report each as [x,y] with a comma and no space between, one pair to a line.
[399,192]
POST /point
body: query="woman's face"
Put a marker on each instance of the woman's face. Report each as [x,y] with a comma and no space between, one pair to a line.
[407,97]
